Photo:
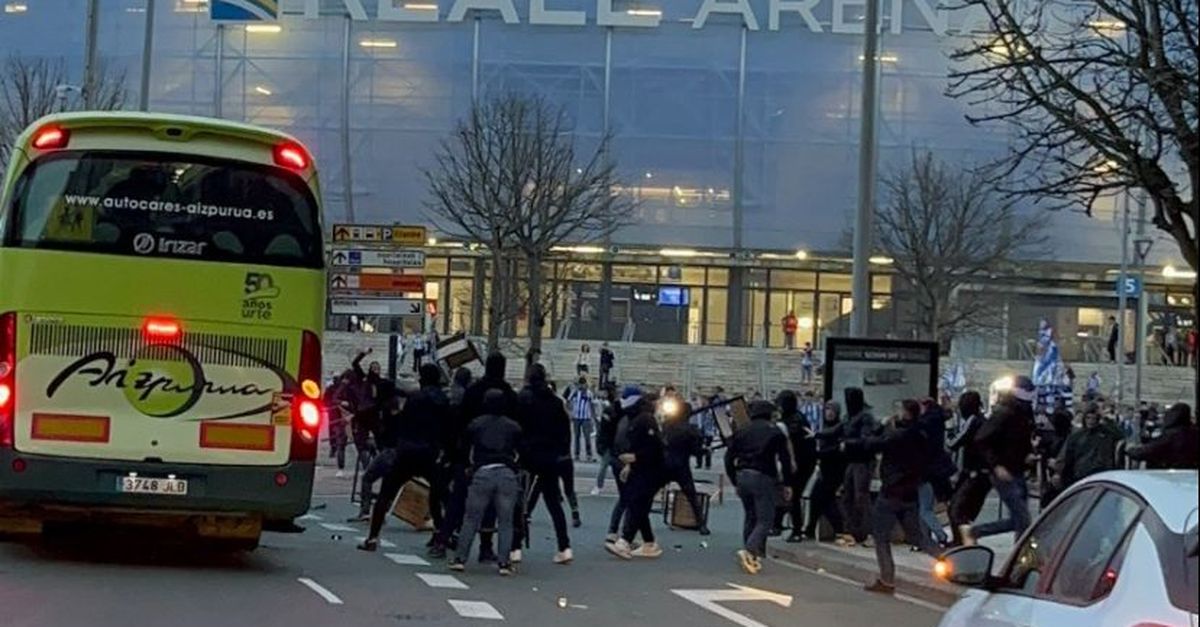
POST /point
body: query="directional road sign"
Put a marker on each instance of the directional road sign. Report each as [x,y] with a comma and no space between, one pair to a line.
[396,235]
[372,258]
[385,283]
[377,306]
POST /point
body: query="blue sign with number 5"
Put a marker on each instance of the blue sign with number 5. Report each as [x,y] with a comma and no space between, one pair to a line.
[1132,286]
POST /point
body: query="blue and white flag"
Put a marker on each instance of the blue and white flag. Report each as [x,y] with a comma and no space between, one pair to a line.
[1047,356]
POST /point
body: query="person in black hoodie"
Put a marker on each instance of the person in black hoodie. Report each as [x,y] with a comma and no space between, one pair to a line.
[804,449]
[823,502]
[974,478]
[493,444]
[684,442]
[939,469]
[642,471]
[494,371]
[451,489]
[547,438]
[902,470]
[383,451]
[1177,447]
[856,489]
[756,462]
[415,436]
[606,434]
[1006,440]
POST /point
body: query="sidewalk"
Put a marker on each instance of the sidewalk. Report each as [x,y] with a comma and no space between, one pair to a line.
[914,571]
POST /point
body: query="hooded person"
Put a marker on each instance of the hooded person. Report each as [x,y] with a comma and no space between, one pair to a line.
[415,435]
[628,407]
[494,443]
[642,472]
[1005,441]
[1177,447]
[856,488]
[546,440]
[974,478]
[938,469]
[683,441]
[757,462]
[832,463]
[804,451]
[495,367]
[1089,450]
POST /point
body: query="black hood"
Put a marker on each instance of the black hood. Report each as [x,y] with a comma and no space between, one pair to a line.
[494,403]
[430,375]
[495,367]
[1179,416]
[855,402]
[462,377]
[788,403]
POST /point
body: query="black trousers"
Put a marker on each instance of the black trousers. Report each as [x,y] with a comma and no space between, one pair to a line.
[824,502]
[969,497]
[406,468]
[704,459]
[640,492]
[681,473]
[798,482]
[547,482]
[454,503]
[618,510]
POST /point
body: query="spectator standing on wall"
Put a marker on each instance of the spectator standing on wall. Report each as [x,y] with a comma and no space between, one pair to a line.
[607,361]
[582,361]
[806,364]
[1114,334]
[790,325]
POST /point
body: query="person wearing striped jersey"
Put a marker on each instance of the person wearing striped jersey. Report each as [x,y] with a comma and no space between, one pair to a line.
[582,404]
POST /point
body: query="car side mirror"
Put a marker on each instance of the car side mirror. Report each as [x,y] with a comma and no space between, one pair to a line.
[969,566]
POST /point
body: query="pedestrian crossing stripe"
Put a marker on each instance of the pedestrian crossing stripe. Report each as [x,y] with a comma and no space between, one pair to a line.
[406,560]
[442,581]
[476,609]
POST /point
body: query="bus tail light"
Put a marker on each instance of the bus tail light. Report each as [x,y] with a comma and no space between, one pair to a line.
[51,137]
[8,377]
[306,402]
[292,156]
[161,330]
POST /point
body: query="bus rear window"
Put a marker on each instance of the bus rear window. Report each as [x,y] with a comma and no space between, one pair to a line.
[166,205]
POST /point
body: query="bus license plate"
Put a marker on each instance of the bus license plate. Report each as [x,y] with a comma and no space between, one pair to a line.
[150,485]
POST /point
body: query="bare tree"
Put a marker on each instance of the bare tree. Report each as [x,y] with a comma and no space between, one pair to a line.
[510,177]
[947,228]
[1102,97]
[33,88]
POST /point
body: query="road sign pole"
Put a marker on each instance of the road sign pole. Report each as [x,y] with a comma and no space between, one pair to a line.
[1122,303]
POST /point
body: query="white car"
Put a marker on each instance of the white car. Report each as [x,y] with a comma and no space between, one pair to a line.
[1117,549]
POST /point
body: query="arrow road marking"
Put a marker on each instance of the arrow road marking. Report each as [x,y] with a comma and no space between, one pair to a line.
[708,600]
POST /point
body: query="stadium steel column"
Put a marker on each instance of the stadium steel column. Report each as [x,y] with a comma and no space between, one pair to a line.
[90,36]
[147,58]
[864,221]
[218,75]
[1122,300]
[739,148]
[347,171]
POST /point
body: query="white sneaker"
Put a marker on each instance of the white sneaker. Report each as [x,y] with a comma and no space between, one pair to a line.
[595,492]
[341,474]
[611,538]
[620,548]
[564,556]
[515,556]
[748,562]
[649,549]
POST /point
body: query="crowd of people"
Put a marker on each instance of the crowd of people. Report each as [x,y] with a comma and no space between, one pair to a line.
[491,454]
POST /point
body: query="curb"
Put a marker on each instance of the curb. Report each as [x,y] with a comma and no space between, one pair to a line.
[915,583]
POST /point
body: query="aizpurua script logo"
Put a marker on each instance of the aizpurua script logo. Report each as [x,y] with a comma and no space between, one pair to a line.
[169,387]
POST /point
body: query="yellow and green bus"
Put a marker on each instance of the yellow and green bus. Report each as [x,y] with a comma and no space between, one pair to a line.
[162,292]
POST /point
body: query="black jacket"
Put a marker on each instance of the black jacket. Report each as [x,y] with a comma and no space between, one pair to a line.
[418,426]
[1177,447]
[902,465]
[759,446]
[545,425]
[938,463]
[856,428]
[802,439]
[683,442]
[1088,451]
[1006,439]
[972,452]
[606,430]
[494,440]
[645,441]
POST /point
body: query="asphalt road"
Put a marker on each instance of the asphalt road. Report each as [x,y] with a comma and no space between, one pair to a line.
[319,579]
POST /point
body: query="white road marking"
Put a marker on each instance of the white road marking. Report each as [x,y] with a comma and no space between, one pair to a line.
[850,582]
[333,527]
[324,593]
[442,581]
[387,544]
[309,517]
[404,559]
[476,609]
[708,599]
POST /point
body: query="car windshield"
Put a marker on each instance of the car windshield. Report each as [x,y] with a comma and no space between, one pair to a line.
[166,205]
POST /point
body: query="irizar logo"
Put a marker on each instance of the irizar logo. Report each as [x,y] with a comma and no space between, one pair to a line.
[167,381]
[145,244]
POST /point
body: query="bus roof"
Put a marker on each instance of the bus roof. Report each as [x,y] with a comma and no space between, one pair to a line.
[190,123]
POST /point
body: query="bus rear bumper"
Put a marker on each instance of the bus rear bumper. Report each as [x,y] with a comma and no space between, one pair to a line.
[59,489]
